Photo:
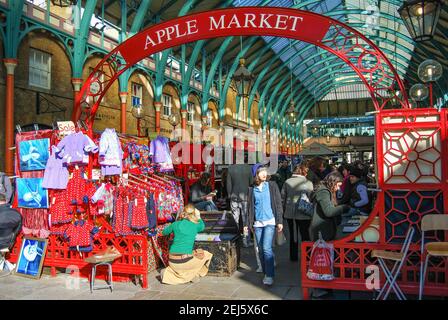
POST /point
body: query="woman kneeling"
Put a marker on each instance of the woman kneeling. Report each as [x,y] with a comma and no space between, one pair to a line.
[186,265]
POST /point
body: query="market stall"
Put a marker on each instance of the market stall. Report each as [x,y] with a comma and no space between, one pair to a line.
[85,193]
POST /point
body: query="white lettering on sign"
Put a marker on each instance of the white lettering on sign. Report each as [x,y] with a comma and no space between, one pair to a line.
[246,21]
[214,25]
[263,22]
[192,27]
[250,20]
[149,41]
[171,32]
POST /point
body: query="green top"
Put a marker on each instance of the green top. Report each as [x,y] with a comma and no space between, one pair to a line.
[185,233]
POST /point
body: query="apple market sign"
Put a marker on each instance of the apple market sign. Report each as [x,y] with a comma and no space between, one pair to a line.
[334,36]
[281,22]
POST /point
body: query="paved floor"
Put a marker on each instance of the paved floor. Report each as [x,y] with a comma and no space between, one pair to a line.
[243,284]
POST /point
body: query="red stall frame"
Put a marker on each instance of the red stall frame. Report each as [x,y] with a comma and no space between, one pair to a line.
[353,258]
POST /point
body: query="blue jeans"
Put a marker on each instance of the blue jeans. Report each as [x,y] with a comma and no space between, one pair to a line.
[265,236]
[206,206]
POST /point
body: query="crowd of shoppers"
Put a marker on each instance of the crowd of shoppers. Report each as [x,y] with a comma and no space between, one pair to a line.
[259,202]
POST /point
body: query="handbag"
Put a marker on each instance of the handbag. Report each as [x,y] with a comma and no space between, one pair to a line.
[280,238]
[304,205]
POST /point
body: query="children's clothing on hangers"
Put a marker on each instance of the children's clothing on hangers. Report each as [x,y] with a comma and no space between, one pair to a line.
[75,148]
[110,153]
[56,174]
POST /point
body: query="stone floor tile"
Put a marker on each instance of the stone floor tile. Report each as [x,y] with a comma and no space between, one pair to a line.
[211,289]
[174,296]
[260,292]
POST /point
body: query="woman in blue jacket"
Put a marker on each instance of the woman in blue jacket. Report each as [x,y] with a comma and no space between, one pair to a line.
[265,215]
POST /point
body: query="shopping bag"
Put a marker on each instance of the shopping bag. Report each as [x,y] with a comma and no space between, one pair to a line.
[321,261]
[280,238]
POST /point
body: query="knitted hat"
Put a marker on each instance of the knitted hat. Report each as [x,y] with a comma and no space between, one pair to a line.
[355,171]
[255,167]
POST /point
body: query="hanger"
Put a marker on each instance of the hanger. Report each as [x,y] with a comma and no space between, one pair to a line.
[19,128]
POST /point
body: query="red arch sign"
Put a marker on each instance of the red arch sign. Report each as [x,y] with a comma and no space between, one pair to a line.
[361,54]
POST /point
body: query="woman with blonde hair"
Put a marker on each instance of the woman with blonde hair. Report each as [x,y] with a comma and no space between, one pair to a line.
[186,264]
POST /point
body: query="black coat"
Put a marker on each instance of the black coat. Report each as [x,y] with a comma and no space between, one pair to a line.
[276,204]
[10,224]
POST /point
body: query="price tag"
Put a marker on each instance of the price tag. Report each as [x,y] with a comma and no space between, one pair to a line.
[66,127]
[96,174]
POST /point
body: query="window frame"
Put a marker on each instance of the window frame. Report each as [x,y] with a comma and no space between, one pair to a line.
[138,95]
[190,111]
[167,107]
[32,65]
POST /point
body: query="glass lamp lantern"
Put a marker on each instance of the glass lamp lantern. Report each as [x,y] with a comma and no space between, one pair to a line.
[291,113]
[430,70]
[244,79]
[419,92]
[420,18]
[138,111]
[174,120]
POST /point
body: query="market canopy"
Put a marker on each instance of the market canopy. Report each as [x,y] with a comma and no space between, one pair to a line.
[316,149]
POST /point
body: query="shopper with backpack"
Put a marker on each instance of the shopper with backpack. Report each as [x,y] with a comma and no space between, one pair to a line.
[295,193]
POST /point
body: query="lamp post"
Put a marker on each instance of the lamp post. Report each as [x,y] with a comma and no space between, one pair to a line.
[420,18]
[430,71]
[244,80]
[342,139]
[174,121]
[138,111]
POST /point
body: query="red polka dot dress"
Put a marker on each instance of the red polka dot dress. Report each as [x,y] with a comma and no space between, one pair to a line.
[139,218]
[80,233]
[59,209]
[76,188]
[121,220]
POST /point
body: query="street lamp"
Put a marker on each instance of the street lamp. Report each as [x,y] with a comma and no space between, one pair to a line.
[174,120]
[342,139]
[244,79]
[420,18]
[430,71]
[291,113]
[418,92]
[138,111]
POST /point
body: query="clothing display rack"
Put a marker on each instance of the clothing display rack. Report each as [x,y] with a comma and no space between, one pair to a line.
[77,225]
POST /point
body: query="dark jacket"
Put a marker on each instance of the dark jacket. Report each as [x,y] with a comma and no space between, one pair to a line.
[10,225]
[239,178]
[346,195]
[313,177]
[325,215]
[355,196]
[276,204]
[197,191]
